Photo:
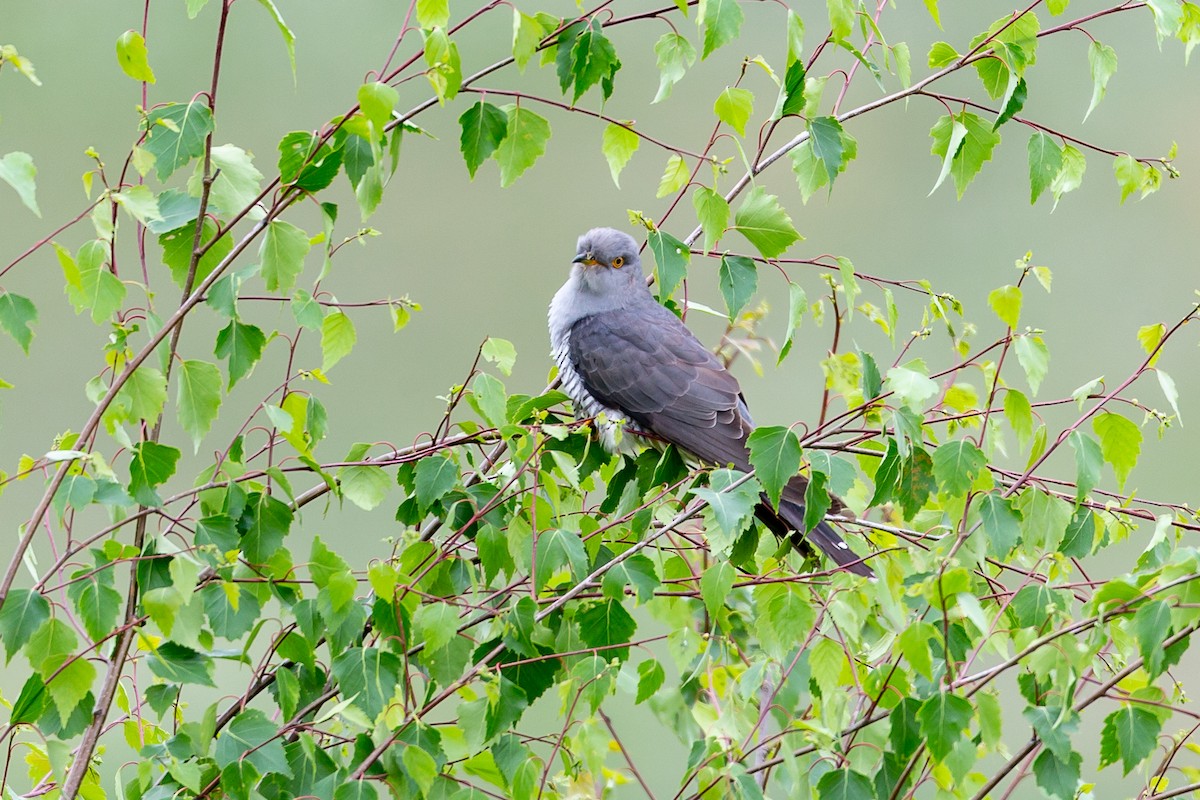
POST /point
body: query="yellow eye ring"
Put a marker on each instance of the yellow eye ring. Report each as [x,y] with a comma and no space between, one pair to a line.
[618,262]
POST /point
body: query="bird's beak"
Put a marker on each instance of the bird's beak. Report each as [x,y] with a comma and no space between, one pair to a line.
[585,259]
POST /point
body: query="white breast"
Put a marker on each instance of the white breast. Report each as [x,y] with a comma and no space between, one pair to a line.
[561,320]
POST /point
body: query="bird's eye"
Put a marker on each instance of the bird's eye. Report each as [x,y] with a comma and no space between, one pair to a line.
[618,262]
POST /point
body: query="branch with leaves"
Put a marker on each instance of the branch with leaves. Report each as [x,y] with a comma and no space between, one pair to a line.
[525,559]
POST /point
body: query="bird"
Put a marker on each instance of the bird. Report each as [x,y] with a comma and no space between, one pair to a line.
[628,360]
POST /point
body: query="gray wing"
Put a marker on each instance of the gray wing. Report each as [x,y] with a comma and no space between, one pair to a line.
[644,362]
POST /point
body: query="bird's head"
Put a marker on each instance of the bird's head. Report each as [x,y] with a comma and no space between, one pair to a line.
[608,249]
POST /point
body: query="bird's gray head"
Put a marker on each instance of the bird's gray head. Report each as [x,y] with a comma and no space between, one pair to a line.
[607,248]
[607,261]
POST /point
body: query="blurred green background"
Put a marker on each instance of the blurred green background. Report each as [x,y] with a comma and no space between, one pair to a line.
[484,261]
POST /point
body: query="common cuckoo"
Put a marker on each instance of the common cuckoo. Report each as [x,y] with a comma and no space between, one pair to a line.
[621,353]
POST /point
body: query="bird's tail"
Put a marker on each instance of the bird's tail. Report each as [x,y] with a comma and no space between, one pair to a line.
[789,521]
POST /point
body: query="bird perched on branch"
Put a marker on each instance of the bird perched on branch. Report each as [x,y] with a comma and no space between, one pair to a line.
[621,353]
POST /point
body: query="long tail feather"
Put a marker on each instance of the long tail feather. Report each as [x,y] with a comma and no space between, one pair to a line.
[789,522]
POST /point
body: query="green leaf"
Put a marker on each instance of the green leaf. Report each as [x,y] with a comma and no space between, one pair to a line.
[1080,534]
[1034,357]
[289,38]
[791,94]
[811,172]
[369,675]
[1014,100]
[942,54]
[499,352]
[1087,463]
[253,739]
[841,18]
[17,315]
[965,142]
[175,134]
[177,209]
[365,485]
[306,162]
[1168,16]
[96,599]
[433,13]
[721,21]
[671,259]
[1134,176]
[713,213]
[732,509]
[1001,524]
[650,679]
[483,128]
[675,176]
[488,398]
[1019,414]
[131,55]
[152,464]
[827,658]
[775,454]
[944,719]
[956,464]
[377,101]
[175,663]
[844,784]
[674,54]
[22,614]
[445,64]
[436,623]
[765,224]
[1120,442]
[92,285]
[785,617]
[524,143]
[734,107]
[31,702]
[242,345]
[177,251]
[1006,302]
[914,644]
[421,767]
[435,476]
[1151,625]
[949,150]
[18,171]
[586,57]
[528,33]
[1057,777]
[911,386]
[618,145]
[1167,384]
[199,398]
[797,305]
[337,338]
[1054,728]
[816,500]
[825,136]
[237,180]
[738,280]
[1045,162]
[282,253]
[715,586]
[606,623]
[355,790]
[307,311]
[68,676]
[1129,735]
[556,549]
[1103,62]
